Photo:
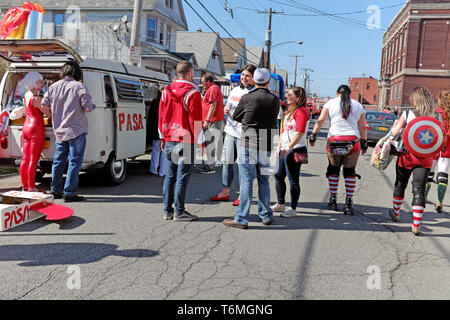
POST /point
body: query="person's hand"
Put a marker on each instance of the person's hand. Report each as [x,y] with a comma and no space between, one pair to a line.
[364,146]
[205,125]
[312,139]
[284,153]
[163,143]
[277,153]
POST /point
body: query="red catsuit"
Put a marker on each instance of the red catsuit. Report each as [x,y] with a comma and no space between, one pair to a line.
[33,139]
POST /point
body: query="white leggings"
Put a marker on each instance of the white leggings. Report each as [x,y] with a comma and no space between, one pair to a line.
[443,164]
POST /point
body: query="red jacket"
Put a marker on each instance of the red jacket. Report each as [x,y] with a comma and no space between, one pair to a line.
[180,112]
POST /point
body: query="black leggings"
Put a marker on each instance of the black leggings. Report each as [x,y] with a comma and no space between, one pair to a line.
[288,167]
[420,177]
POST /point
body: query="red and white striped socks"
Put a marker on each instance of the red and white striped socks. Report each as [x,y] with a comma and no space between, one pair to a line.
[333,183]
[397,202]
[417,215]
[350,184]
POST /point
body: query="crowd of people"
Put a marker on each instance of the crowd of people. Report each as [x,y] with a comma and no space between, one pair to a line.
[240,132]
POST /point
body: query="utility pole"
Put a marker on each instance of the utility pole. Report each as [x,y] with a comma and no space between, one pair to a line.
[295,68]
[269,33]
[136,27]
[362,89]
[306,78]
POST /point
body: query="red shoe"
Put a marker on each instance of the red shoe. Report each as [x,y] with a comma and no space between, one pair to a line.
[236,202]
[217,198]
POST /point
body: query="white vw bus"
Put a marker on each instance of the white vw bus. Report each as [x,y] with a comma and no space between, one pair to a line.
[117,127]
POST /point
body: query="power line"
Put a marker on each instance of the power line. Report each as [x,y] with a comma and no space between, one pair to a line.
[352,22]
[225,29]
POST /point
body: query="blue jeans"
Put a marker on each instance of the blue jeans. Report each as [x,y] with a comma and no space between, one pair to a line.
[178,171]
[75,150]
[230,150]
[253,165]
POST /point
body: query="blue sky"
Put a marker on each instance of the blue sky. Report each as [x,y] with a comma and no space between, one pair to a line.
[335,47]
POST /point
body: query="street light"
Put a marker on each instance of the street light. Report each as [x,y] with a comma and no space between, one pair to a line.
[278,44]
[269,47]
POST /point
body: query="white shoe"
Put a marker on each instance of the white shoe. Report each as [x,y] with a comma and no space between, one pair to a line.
[288,213]
[217,163]
[278,207]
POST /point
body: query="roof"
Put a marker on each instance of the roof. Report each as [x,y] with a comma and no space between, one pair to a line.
[231,49]
[201,44]
[253,53]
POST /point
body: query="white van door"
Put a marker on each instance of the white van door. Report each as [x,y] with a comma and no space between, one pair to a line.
[130,117]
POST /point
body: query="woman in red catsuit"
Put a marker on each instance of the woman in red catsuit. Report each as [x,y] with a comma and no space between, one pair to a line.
[33,137]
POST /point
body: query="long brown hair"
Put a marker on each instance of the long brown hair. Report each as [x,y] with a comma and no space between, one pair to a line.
[444,104]
[300,93]
[422,100]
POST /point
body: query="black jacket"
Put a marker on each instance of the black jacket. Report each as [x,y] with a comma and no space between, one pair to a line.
[258,111]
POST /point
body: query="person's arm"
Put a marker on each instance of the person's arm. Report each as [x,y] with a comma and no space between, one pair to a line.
[45,104]
[212,109]
[85,98]
[363,132]
[194,103]
[37,103]
[399,124]
[318,125]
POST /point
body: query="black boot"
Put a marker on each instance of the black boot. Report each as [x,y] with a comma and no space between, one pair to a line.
[332,203]
[348,206]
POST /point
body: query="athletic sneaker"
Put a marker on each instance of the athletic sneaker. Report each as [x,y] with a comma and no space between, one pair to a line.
[278,207]
[207,169]
[168,216]
[289,213]
[393,216]
[439,207]
[185,216]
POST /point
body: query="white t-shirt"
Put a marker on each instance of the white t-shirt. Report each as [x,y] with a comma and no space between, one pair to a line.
[340,126]
[299,122]
[232,127]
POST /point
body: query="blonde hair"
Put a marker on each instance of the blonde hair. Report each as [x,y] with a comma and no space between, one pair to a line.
[444,104]
[422,100]
[30,80]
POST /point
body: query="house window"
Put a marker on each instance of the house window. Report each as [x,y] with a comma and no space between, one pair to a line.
[58,20]
[168,37]
[161,33]
[368,86]
[356,85]
[151,30]
[171,4]
[399,90]
[374,98]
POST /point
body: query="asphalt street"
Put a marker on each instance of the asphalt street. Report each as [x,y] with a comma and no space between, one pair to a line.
[117,245]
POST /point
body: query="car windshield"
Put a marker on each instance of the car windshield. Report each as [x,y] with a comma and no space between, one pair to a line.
[380,116]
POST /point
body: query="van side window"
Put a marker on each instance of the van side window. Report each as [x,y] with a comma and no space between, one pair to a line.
[109,95]
[129,90]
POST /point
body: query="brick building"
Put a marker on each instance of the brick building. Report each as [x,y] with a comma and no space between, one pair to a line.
[416,52]
[364,90]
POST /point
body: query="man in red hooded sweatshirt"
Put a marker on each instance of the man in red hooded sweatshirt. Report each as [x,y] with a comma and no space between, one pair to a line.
[180,125]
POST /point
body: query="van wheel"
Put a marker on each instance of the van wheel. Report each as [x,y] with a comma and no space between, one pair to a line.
[115,170]
[39,175]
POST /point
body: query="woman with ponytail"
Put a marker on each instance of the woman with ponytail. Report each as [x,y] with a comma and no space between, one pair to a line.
[294,125]
[347,136]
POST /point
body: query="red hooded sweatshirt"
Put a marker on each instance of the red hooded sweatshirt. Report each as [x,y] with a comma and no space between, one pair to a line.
[180,112]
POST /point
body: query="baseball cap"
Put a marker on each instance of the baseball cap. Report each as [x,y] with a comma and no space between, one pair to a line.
[261,76]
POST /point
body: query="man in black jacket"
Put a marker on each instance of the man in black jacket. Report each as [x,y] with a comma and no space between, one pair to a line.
[257,111]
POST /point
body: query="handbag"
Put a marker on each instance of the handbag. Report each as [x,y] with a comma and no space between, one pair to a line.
[299,157]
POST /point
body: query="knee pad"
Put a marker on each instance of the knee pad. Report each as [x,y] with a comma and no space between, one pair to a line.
[349,172]
[442,177]
[332,170]
[418,196]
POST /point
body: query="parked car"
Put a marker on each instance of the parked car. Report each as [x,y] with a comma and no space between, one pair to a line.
[378,124]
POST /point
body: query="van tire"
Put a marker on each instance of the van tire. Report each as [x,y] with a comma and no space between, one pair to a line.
[115,170]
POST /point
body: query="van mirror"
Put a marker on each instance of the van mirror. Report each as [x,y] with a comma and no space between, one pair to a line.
[111,105]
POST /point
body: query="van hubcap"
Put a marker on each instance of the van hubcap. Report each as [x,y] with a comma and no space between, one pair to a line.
[117,168]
